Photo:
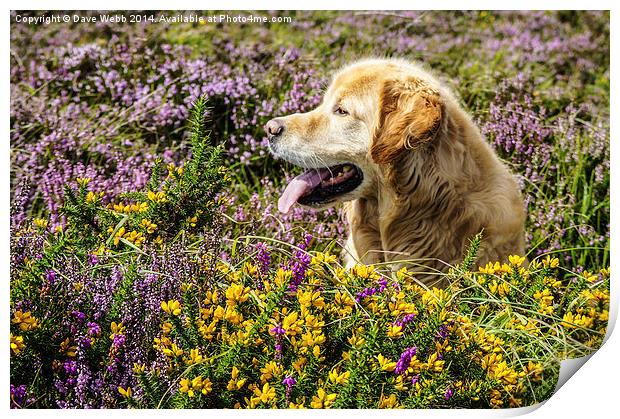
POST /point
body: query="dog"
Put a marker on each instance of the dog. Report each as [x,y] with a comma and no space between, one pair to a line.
[416,176]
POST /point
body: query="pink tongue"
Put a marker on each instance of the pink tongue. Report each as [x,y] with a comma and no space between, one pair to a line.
[300,186]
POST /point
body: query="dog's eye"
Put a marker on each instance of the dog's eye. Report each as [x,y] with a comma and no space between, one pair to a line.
[340,111]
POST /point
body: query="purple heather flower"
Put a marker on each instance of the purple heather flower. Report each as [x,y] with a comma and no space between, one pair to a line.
[93,329]
[448,394]
[118,341]
[369,291]
[405,360]
[408,318]
[278,330]
[51,276]
[85,342]
[70,367]
[93,259]
[289,382]
[78,315]
[382,284]
[264,258]
[301,261]
[18,394]
[442,332]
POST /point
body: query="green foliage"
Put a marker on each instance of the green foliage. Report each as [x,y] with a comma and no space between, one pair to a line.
[492,339]
[185,201]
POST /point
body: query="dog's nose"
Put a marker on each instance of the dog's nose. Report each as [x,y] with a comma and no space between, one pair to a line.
[274,128]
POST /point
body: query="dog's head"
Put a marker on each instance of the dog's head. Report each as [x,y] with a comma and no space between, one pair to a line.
[373,113]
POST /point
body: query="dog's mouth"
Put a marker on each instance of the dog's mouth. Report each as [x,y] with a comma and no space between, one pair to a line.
[320,186]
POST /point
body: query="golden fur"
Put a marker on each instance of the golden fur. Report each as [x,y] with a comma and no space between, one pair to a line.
[431,182]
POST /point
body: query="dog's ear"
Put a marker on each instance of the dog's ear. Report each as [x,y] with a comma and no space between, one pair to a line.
[410,114]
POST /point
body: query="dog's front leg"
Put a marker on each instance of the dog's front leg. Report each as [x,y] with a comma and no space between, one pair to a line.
[364,242]
[351,258]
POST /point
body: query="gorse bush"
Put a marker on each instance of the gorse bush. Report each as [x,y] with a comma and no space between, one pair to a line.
[114,240]
[308,334]
[184,201]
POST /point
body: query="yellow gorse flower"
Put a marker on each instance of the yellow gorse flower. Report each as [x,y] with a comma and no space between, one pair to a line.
[400,384]
[551,262]
[494,268]
[545,298]
[83,181]
[171,307]
[250,269]
[17,344]
[500,288]
[435,297]
[174,171]
[323,400]
[389,402]
[355,339]
[291,324]
[40,222]
[194,357]
[590,277]
[67,349]
[235,382]
[266,394]
[516,260]
[94,196]
[364,272]
[126,393]
[433,362]
[118,236]
[158,197]
[323,258]
[395,331]
[192,221]
[269,371]
[129,208]
[310,298]
[138,368]
[195,385]
[149,226]
[339,378]
[25,320]
[116,328]
[237,294]
[534,371]
[570,320]
[385,364]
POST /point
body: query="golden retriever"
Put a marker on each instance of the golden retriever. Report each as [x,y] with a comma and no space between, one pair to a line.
[417,177]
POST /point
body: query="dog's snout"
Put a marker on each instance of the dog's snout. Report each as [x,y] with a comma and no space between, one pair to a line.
[274,128]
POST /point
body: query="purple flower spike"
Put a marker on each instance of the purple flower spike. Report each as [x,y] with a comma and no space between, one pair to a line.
[263,257]
[405,360]
[51,277]
[278,330]
[289,382]
[93,329]
[93,259]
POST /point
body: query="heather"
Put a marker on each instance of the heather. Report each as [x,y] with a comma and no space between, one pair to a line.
[149,264]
